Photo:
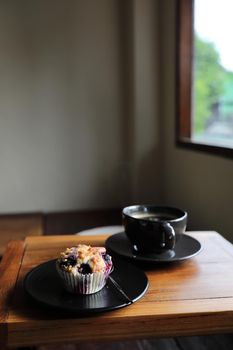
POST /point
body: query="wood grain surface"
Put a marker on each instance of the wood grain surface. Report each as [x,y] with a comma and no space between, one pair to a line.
[187,298]
[9,269]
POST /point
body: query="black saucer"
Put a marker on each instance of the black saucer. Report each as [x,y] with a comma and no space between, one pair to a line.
[186,247]
[44,285]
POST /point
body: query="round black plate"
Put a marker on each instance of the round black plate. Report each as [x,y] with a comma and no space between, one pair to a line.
[44,285]
[186,247]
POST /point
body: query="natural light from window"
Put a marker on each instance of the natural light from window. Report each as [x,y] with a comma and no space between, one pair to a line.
[212,100]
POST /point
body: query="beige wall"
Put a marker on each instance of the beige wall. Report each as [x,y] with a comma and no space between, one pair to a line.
[146,143]
[69,137]
[200,183]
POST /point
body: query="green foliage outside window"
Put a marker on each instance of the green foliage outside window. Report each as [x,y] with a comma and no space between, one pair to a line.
[209,79]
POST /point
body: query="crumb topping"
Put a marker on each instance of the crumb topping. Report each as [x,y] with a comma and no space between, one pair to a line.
[85,259]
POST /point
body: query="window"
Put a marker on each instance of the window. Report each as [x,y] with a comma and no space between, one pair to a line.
[205,75]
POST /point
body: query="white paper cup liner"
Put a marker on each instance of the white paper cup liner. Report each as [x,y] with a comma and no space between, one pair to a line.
[83,284]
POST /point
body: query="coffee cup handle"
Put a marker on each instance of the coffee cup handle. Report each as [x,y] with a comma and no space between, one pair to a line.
[168,236]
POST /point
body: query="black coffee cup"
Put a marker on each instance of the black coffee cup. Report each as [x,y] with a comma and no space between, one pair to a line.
[153,229]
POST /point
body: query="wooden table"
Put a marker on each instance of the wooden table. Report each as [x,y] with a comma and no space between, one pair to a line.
[187,298]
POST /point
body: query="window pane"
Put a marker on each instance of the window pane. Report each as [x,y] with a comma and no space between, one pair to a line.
[212,100]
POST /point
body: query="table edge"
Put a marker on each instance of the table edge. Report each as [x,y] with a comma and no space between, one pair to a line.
[9,266]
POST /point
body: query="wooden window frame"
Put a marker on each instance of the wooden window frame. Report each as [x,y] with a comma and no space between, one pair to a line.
[184,57]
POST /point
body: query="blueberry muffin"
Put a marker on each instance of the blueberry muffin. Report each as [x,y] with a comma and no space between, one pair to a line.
[84,269]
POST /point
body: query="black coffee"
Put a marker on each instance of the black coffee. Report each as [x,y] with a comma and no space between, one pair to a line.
[153,216]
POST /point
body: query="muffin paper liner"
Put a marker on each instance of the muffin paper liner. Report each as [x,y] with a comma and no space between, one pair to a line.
[83,284]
